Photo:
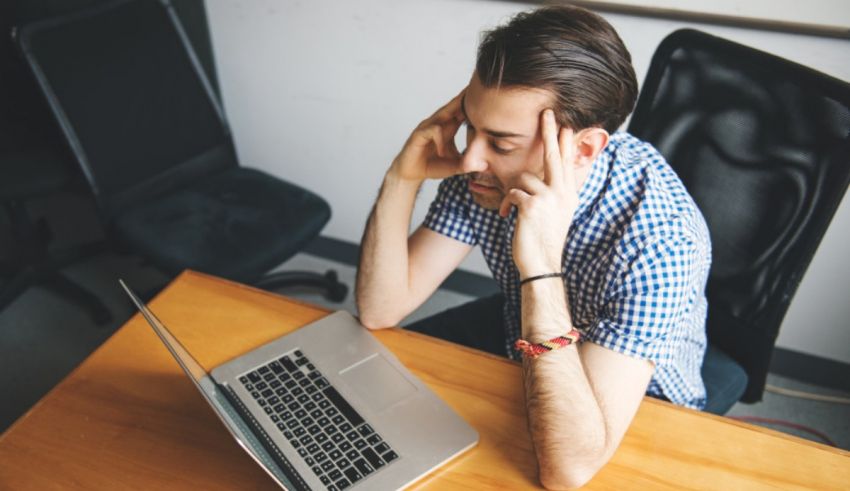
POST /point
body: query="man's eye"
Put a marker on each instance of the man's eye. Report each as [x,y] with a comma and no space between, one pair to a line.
[500,150]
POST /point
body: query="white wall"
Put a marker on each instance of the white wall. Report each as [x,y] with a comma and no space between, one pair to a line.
[323,93]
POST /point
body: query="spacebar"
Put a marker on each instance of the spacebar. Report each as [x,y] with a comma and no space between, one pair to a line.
[343,405]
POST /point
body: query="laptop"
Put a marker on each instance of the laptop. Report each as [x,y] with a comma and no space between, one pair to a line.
[327,407]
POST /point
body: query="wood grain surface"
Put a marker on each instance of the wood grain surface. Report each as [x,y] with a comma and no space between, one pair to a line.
[127,418]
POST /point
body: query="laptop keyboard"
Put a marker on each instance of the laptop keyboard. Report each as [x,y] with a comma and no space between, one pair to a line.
[329,435]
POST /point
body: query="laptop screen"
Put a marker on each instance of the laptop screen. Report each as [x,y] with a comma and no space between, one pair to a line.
[189,364]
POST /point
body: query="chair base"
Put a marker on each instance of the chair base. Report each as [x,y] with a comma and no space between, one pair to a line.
[45,272]
[334,290]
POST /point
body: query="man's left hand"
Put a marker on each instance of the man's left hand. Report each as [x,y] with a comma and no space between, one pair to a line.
[545,208]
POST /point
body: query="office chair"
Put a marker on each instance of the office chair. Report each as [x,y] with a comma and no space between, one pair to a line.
[763,146]
[146,128]
[25,175]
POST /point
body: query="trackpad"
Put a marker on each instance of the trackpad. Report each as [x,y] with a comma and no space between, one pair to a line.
[377,382]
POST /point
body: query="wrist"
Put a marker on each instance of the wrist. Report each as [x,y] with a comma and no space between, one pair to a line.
[393,180]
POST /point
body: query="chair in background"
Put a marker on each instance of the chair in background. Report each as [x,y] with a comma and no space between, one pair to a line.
[763,146]
[24,176]
[146,128]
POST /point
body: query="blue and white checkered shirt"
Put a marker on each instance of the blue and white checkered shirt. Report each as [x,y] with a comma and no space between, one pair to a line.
[636,262]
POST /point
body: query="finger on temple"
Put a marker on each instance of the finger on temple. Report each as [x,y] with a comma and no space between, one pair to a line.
[567,145]
[552,162]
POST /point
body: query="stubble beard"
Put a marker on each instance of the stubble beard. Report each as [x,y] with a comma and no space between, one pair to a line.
[490,201]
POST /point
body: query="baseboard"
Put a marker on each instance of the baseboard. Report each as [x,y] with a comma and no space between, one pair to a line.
[811,369]
[799,366]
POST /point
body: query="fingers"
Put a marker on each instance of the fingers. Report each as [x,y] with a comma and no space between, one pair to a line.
[514,197]
[567,145]
[452,111]
[553,164]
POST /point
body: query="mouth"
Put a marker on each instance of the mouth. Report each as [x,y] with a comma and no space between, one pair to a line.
[482,187]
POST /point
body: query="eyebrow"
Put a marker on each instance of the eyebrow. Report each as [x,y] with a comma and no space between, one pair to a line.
[491,132]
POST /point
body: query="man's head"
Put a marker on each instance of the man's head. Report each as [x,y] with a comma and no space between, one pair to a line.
[564,58]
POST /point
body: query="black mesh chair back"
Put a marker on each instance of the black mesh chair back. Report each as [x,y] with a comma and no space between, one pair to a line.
[141,117]
[131,98]
[763,146]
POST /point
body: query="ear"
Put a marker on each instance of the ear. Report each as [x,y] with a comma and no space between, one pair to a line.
[589,142]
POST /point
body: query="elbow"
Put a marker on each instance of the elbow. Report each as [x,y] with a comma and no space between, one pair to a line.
[562,479]
[375,320]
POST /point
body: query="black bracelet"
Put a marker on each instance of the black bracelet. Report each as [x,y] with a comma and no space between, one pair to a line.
[540,277]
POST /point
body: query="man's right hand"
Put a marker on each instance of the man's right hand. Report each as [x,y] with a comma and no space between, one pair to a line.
[430,152]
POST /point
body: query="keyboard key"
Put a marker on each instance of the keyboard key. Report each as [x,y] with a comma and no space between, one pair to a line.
[302,452]
[276,367]
[333,488]
[382,447]
[285,415]
[335,474]
[255,394]
[344,427]
[324,403]
[318,470]
[374,440]
[317,413]
[325,480]
[390,456]
[297,391]
[262,402]
[306,440]
[331,411]
[287,363]
[301,362]
[309,460]
[261,386]
[360,444]
[288,398]
[352,454]
[328,446]
[304,382]
[292,424]
[298,375]
[343,484]
[298,353]
[322,383]
[338,438]
[321,438]
[314,430]
[268,409]
[343,405]
[327,465]
[314,375]
[334,454]
[300,413]
[291,384]
[323,422]
[281,392]
[254,377]
[311,406]
[345,446]
[274,384]
[310,389]
[342,463]
[263,370]
[365,430]
[313,448]
[275,418]
[279,408]
[269,377]
[363,467]
[244,380]
[281,427]
[249,387]
[321,457]
[330,430]
[373,458]
[303,398]
[300,431]
[352,474]
[352,436]
[287,434]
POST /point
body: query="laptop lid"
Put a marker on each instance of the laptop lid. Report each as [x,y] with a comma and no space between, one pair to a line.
[219,403]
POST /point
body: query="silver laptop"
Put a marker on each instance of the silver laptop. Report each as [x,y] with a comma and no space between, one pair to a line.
[327,407]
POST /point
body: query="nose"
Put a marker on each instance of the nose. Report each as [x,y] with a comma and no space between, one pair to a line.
[474,158]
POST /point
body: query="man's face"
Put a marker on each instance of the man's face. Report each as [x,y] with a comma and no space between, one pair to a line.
[503,138]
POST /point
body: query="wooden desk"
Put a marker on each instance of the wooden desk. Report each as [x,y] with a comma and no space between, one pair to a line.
[127,418]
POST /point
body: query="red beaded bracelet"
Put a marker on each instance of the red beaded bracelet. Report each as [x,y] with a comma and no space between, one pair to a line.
[533,350]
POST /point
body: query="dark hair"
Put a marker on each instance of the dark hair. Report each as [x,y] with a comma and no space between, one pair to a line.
[569,51]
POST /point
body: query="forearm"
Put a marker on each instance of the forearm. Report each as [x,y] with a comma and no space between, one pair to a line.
[383,278]
[566,423]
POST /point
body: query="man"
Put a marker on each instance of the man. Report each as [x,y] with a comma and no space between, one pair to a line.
[587,230]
